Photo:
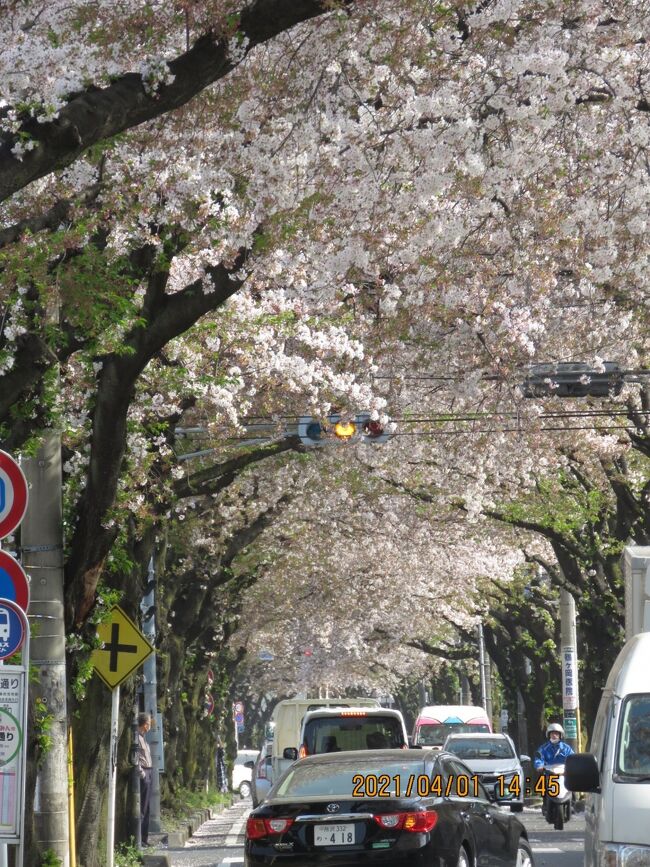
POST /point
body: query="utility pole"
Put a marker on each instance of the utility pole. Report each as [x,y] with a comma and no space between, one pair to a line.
[486,677]
[150,690]
[569,661]
[41,535]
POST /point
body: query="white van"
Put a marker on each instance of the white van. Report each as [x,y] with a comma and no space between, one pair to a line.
[435,722]
[616,773]
[335,729]
[287,716]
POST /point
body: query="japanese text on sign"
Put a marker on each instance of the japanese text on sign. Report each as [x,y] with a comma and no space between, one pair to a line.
[569,678]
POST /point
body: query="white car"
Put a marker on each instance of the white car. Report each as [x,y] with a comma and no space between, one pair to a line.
[493,758]
[242,772]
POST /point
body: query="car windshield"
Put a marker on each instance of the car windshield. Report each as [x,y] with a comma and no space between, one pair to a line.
[336,779]
[480,748]
[435,734]
[334,733]
[634,738]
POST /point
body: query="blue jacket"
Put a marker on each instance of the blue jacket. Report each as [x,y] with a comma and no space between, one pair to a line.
[552,754]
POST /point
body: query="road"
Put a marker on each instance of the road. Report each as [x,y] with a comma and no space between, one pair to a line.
[219,842]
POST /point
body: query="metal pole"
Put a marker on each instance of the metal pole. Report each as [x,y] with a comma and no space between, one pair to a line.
[522,728]
[112,775]
[71,810]
[481,664]
[569,660]
[41,536]
[136,829]
[150,689]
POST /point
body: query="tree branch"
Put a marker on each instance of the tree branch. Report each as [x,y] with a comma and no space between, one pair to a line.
[97,114]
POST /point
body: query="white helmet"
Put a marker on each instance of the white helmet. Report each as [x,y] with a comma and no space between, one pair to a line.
[554,727]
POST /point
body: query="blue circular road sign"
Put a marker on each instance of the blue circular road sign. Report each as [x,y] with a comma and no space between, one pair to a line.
[12,630]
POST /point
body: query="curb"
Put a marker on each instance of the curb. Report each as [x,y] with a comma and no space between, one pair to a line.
[177,838]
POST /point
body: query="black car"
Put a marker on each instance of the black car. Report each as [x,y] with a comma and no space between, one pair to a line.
[399,808]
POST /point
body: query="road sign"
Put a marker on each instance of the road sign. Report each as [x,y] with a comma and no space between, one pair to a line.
[124,648]
[208,704]
[239,707]
[239,717]
[12,630]
[14,584]
[13,494]
[12,727]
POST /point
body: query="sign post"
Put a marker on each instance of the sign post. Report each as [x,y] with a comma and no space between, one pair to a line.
[14,633]
[124,648]
[14,636]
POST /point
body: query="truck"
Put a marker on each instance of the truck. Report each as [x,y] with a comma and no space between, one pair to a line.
[287,717]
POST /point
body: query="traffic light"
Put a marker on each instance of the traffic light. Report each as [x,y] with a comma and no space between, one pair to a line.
[572,379]
[338,428]
[373,431]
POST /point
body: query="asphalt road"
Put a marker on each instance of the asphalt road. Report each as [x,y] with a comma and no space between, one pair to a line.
[219,842]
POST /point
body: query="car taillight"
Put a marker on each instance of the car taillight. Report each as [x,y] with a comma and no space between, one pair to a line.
[256,828]
[420,822]
[353,713]
[278,826]
[390,820]
[261,772]
[302,752]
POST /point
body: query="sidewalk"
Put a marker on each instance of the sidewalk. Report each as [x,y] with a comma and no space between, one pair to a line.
[209,844]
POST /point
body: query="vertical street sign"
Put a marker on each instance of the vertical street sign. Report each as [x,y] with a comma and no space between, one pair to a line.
[12,734]
[13,495]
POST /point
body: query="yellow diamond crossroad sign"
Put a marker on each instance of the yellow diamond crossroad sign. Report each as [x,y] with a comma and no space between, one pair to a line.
[124,648]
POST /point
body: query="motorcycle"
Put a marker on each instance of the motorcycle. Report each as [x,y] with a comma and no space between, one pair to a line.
[557,798]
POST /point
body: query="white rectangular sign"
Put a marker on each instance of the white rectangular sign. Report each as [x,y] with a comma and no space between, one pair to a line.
[12,734]
[569,678]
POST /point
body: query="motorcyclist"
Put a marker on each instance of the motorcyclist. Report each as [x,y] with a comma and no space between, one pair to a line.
[552,752]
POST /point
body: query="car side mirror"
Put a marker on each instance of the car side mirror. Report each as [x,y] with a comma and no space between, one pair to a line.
[290,753]
[250,764]
[524,758]
[581,773]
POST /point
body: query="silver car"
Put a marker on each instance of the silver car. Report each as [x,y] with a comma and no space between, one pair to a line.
[262,778]
[493,758]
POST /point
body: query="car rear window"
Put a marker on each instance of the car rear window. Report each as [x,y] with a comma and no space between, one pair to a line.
[335,779]
[480,748]
[435,734]
[332,734]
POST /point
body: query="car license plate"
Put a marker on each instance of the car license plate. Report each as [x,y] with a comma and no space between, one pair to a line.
[334,835]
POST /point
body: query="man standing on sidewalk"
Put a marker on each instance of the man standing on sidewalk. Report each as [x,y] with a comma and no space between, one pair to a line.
[144,764]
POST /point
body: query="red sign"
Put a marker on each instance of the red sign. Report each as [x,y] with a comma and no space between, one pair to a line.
[13,581]
[13,495]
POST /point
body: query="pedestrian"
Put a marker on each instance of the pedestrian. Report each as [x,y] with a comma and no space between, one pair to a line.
[222,775]
[553,751]
[144,765]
